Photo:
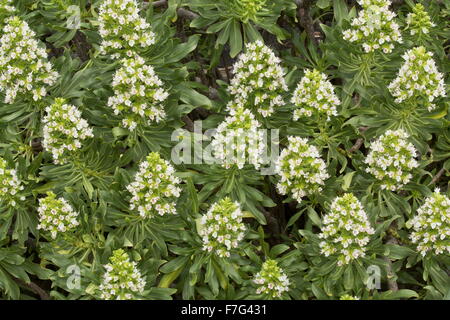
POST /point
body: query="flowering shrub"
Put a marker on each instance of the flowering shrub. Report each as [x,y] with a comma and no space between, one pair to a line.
[122,28]
[56,215]
[154,188]
[419,22]
[346,230]
[301,169]
[391,159]
[10,185]
[64,130]
[24,69]
[375,27]
[431,225]
[271,280]
[222,227]
[258,80]
[315,96]
[138,94]
[224,150]
[239,140]
[122,279]
[418,80]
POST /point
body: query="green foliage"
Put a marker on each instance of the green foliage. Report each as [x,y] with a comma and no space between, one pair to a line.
[115,115]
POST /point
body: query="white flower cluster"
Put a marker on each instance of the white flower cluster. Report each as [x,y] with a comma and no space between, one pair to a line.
[374,27]
[239,138]
[122,28]
[64,130]
[56,215]
[222,228]
[154,189]
[138,93]
[10,185]
[314,96]
[122,279]
[24,68]
[419,21]
[346,230]
[301,169]
[391,159]
[418,79]
[432,225]
[272,280]
[258,80]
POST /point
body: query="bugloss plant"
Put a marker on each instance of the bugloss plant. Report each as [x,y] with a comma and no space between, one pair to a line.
[155,188]
[56,215]
[24,69]
[6,9]
[302,172]
[64,131]
[10,185]
[239,140]
[431,225]
[247,9]
[418,80]
[271,280]
[391,159]
[258,81]
[419,21]
[314,96]
[122,279]
[122,28]
[221,228]
[138,94]
[374,28]
[346,230]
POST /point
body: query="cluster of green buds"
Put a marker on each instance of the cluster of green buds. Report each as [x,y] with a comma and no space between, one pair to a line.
[391,159]
[155,188]
[271,280]
[24,69]
[346,230]
[122,279]
[419,21]
[258,80]
[56,215]
[418,79]
[10,185]
[301,169]
[431,225]
[374,28]
[221,228]
[247,9]
[238,138]
[122,28]
[314,96]
[64,130]
[138,94]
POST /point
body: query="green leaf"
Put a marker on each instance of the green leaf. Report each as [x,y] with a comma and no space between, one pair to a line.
[235,39]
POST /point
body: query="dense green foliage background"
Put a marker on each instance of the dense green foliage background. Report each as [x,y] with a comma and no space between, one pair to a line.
[197,42]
